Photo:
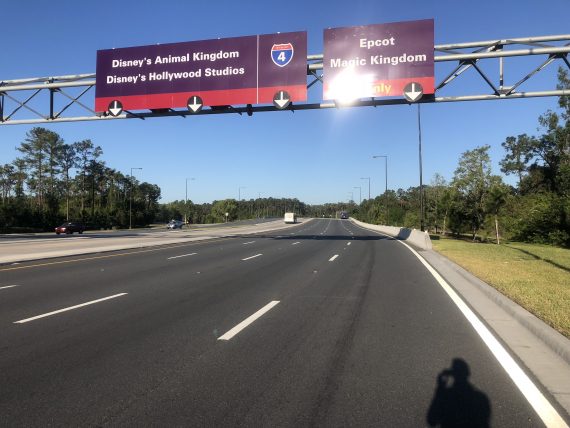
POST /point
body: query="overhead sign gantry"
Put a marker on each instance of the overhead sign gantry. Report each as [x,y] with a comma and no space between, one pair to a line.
[398,56]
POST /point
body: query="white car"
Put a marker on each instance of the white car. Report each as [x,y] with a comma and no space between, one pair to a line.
[175,224]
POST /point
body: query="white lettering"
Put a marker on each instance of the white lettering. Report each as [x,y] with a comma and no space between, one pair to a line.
[122,79]
[346,63]
[228,71]
[214,56]
[120,63]
[395,60]
[172,59]
[166,75]
[368,44]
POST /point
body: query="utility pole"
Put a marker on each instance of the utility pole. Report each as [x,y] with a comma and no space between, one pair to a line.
[422,225]
[385,168]
[131,200]
[367,178]
[360,190]
[186,201]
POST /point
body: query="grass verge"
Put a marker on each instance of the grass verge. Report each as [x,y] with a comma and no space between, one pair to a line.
[537,277]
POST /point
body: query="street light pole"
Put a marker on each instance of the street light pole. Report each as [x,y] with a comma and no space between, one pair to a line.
[186,201]
[367,178]
[360,190]
[239,192]
[131,200]
[351,196]
[422,220]
[386,168]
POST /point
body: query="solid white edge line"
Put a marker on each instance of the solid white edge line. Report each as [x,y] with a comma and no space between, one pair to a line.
[246,243]
[333,257]
[8,286]
[252,257]
[68,309]
[183,255]
[231,333]
[547,413]
[535,398]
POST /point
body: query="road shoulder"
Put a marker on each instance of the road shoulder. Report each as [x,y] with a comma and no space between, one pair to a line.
[544,351]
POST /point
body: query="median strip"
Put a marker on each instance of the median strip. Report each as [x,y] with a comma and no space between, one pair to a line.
[69,308]
[252,257]
[231,333]
[183,255]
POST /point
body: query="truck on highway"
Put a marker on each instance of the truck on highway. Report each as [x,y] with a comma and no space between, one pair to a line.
[290,218]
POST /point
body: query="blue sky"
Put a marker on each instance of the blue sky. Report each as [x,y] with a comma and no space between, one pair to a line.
[316,156]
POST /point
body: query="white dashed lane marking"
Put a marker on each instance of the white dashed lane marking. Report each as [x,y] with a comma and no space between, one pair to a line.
[182,255]
[231,333]
[69,308]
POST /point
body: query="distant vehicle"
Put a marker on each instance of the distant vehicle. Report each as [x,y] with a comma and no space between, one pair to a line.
[290,218]
[70,227]
[343,215]
[175,224]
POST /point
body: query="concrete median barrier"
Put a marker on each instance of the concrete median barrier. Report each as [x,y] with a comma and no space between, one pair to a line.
[414,237]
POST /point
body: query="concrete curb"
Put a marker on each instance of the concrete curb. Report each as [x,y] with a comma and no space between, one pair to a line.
[418,239]
[557,342]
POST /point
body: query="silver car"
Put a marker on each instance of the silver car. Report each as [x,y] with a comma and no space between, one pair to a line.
[175,224]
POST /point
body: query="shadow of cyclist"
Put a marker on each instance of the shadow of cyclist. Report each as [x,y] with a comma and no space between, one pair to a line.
[456,402]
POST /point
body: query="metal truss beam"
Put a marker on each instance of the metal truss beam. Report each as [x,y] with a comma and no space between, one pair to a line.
[10,103]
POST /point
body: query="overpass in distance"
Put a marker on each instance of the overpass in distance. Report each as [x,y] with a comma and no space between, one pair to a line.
[322,323]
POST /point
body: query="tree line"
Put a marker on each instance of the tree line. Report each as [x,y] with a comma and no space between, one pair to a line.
[479,203]
[52,181]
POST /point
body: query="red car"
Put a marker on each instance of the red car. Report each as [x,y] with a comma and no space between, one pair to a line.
[69,228]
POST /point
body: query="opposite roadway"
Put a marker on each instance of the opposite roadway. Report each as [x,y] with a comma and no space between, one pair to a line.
[362,335]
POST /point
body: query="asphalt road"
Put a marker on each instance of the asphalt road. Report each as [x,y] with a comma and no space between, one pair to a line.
[26,247]
[360,336]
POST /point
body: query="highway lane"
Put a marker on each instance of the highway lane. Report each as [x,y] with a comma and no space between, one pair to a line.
[15,249]
[358,339]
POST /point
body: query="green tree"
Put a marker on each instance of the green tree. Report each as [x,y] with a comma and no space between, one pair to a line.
[39,156]
[472,179]
[496,199]
[220,208]
[68,160]
[87,153]
[519,153]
